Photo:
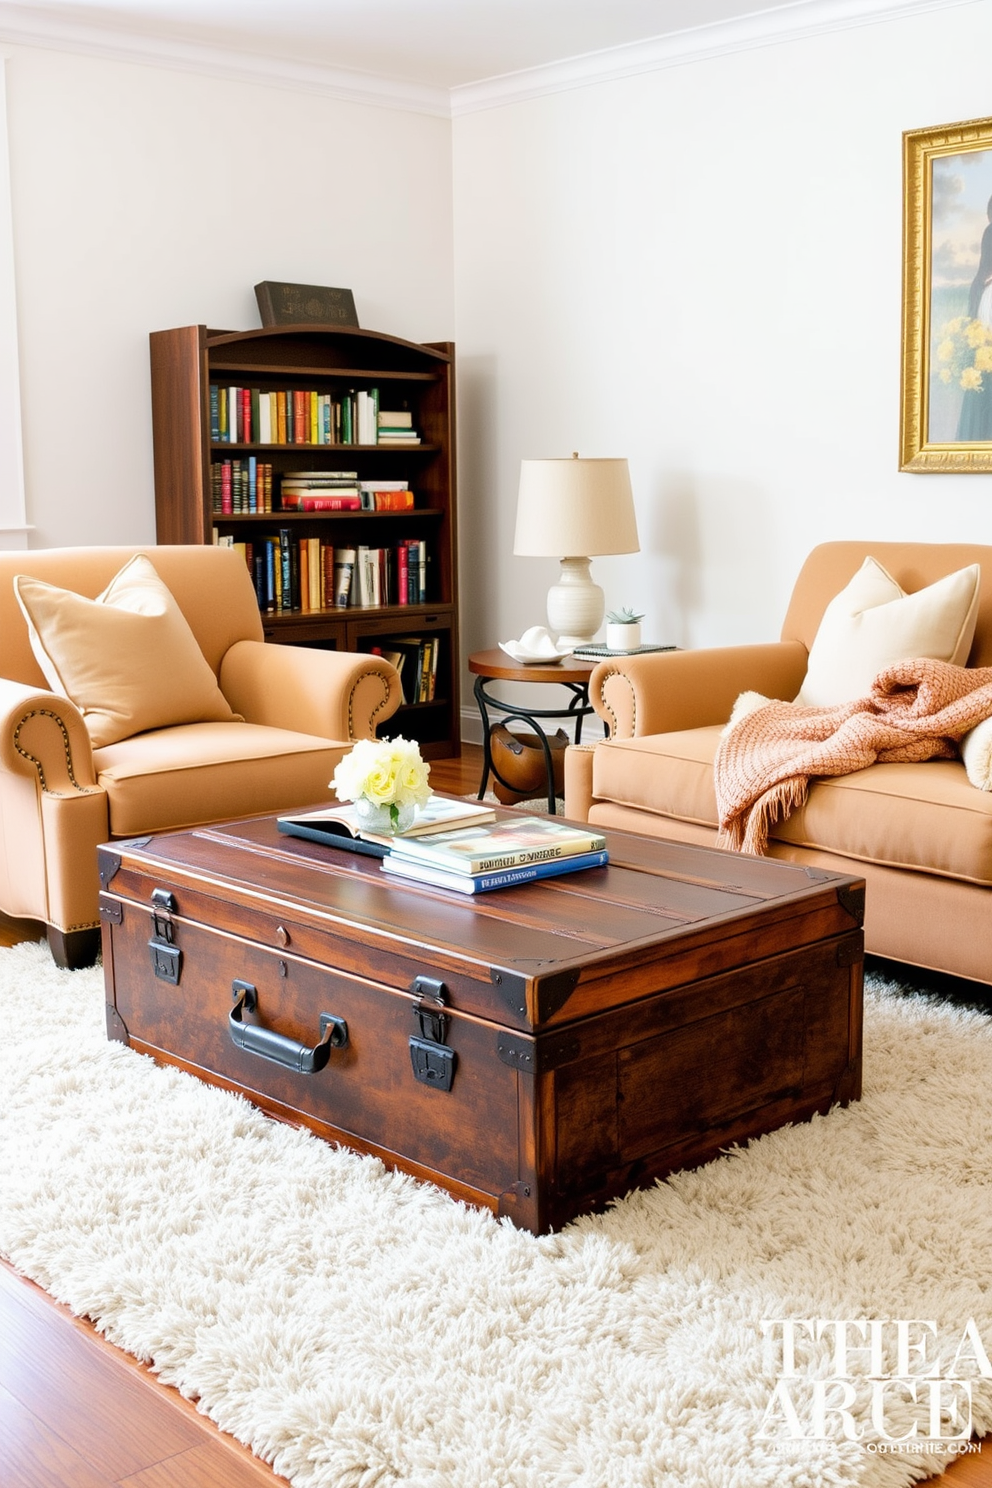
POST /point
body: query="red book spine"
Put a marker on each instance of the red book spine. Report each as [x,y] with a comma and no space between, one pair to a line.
[402,573]
[226,493]
[246,415]
[329,503]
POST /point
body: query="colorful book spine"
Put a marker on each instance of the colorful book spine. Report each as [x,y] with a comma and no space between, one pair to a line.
[252,415]
[344,569]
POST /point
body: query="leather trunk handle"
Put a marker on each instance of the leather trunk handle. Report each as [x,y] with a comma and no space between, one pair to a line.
[268,1044]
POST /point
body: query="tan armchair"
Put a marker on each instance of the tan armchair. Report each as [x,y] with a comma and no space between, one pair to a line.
[60,797]
[920,834]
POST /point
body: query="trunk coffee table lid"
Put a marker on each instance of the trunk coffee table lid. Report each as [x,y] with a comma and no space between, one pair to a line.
[544,953]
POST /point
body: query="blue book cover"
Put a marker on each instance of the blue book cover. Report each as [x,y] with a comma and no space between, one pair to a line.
[502,878]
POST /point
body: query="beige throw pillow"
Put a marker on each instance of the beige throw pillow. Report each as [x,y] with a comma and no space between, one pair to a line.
[127,659]
[976,751]
[872,623]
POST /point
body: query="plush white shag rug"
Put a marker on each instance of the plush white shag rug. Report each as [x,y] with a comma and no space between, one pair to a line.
[360,1330]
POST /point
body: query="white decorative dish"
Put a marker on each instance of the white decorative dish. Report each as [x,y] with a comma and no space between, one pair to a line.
[535,648]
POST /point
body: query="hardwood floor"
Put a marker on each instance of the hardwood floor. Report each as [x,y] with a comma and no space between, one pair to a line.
[75,1412]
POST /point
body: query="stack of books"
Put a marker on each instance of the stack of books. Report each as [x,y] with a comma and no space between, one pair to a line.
[395,426]
[474,859]
[320,490]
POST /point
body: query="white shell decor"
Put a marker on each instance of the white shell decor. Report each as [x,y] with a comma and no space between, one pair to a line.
[534,646]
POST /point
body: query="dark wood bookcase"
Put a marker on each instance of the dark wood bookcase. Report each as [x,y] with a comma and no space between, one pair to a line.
[185,362]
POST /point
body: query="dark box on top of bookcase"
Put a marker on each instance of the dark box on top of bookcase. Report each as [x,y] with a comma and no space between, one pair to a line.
[538,1050]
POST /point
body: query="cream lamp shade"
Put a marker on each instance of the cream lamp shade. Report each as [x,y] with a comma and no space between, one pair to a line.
[572,509]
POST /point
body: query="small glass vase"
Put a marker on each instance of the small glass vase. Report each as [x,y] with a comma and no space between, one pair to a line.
[377,816]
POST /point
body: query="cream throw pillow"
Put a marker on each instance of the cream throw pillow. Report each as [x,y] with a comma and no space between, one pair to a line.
[872,623]
[127,659]
[976,751]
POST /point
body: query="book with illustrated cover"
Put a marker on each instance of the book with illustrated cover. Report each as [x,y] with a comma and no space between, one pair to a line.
[522,840]
[481,883]
[338,826]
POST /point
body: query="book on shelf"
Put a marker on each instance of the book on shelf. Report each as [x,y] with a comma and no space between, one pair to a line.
[312,574]
[302,416]
[503,844]
[386,496]
[339,826]
[596,653]
[314,490]
[288,567]
[395,658]
[418,665]
[299,501]
[396,426]
[240,487]
[411,572]
[338,479]
[481,883]
[344,570]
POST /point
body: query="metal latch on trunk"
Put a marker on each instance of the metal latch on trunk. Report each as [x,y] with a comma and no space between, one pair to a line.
[167,958]
[433,1062]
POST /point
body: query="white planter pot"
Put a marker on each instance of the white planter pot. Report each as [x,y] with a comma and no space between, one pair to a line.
[623,637]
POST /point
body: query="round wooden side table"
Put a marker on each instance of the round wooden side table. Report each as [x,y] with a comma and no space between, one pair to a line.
[495,666]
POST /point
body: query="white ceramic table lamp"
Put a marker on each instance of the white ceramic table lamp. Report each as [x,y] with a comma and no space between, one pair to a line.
[567,508]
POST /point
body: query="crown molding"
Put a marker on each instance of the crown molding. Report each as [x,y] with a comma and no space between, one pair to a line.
[782,23]
[21,26]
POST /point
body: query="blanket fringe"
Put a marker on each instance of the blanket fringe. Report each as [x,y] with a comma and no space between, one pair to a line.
[749,832]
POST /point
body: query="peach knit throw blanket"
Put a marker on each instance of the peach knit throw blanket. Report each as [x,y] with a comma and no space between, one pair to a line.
[765,760]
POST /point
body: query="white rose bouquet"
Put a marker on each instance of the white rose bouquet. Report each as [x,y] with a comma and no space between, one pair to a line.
[387,779]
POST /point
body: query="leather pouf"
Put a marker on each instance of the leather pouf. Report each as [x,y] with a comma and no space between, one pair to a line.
[519,760]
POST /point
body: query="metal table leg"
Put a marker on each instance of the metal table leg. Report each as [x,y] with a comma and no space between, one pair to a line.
[577,709]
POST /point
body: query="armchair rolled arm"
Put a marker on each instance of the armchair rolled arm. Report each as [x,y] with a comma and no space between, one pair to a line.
[43,736]
[660,692]
[333,694]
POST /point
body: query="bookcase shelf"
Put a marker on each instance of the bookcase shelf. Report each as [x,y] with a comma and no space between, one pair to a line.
[329,365]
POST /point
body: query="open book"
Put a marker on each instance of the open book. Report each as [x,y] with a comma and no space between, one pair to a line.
[338,826]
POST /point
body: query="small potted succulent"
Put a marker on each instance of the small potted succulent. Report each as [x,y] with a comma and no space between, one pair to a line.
[623,630]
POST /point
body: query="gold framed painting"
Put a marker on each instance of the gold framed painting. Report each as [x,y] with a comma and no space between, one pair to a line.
[946,421]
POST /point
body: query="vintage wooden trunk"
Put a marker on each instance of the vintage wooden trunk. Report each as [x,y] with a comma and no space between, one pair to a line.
[538,1050]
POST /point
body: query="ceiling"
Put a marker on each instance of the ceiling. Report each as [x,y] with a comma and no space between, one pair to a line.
[435,43]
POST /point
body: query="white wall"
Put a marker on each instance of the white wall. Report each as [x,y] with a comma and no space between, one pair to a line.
[699,268]
[145,198]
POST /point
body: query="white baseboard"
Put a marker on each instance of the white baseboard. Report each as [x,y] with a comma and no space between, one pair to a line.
[471,726]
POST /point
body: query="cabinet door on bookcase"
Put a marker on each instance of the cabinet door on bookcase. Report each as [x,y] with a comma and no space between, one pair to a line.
[305,631]
[298,444]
